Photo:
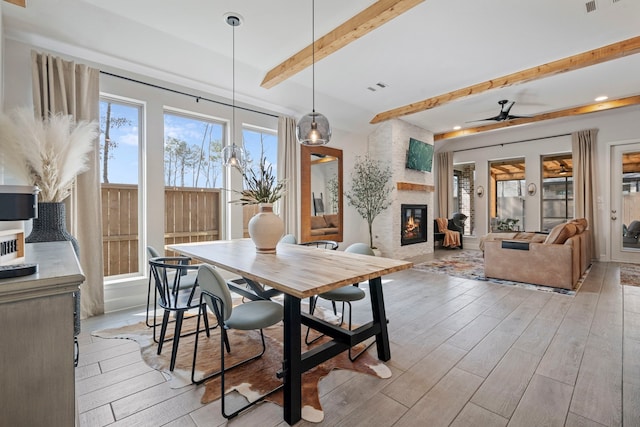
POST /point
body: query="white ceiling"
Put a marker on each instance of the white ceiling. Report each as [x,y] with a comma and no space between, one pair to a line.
[434,48]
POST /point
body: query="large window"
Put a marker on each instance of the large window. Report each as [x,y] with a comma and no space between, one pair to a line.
[120,148]
[192,178]
[557,190]
[507,195]
[258,142]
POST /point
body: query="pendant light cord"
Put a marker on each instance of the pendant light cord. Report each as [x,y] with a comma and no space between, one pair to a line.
[233,88]
[313,58]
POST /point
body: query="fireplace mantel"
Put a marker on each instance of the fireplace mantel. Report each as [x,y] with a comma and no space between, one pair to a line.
[411,186]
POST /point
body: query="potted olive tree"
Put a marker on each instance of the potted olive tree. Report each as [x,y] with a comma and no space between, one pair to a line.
[370,190]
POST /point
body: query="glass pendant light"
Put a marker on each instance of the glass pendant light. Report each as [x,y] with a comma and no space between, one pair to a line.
[233,155]
[313,128]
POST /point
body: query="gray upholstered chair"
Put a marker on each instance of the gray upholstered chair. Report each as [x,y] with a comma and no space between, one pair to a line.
[253,315]
[345,294]
[289,238]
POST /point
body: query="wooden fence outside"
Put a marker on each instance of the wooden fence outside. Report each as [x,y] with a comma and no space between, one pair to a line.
[191,215]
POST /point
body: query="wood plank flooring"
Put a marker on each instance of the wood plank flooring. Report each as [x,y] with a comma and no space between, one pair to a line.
[464,353]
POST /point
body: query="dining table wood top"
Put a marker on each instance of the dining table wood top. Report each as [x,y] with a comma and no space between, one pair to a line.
[297,270]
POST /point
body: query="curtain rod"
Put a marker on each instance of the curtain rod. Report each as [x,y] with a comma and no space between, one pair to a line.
[513,142]
[197,98]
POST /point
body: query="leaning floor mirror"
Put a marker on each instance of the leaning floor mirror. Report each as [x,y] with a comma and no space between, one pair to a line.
[321,193]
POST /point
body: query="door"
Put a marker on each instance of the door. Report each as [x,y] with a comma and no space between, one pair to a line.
[625,203]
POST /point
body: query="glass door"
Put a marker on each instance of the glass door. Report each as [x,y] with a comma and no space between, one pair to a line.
[625,203]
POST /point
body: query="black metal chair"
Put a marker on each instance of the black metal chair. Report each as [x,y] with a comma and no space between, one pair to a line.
[186,282]
[323,244]
[252,315]
[167,273]
[345,294]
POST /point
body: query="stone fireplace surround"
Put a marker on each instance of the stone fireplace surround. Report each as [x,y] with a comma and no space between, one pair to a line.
[389,144]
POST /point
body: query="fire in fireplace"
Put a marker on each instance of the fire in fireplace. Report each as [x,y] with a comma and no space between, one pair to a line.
[414,224]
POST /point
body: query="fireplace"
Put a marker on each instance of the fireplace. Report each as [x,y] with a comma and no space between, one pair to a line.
[414,224]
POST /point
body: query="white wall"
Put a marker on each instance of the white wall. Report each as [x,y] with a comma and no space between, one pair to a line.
[615,127]
[389,144]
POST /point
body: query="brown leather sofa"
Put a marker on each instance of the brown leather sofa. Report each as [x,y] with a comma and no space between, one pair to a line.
[559,261]
[324,224]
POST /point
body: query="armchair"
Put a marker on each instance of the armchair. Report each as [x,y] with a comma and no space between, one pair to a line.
[456,223]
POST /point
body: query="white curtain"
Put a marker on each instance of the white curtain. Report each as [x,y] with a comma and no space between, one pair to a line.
[61,86]
[584,144]
[288,170]
[445,184]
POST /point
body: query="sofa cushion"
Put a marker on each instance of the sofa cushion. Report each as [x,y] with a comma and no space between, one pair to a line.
[580,223]
[318,222]
[560,233]
[332,220]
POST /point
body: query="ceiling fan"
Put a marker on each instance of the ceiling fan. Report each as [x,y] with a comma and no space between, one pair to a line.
[504,112]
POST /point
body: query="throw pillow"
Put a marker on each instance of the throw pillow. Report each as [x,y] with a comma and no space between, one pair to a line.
[318,222]
[332,220]
[560,233]
[581,223]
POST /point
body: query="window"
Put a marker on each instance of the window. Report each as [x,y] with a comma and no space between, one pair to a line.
[258,142]
[192,178]
[557,190]
[120,148]
[192,148]
[463,194]
[507,195]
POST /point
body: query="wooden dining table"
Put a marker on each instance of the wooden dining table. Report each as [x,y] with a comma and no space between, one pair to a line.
[301,272]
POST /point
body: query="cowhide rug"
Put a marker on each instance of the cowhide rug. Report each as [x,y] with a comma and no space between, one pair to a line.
[251,380]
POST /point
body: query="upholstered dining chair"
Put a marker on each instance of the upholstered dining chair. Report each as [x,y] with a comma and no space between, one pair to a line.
[345,294]
[167,274]
[289,238]
[252,315]
[186,282]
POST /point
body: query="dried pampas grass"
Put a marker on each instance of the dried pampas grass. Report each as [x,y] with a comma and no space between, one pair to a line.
[46,153]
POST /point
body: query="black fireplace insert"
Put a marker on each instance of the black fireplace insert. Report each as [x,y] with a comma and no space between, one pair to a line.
[414,224]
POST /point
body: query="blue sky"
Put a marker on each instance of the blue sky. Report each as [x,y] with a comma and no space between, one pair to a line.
[123,164]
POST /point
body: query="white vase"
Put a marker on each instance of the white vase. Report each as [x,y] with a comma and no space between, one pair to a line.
[266,229]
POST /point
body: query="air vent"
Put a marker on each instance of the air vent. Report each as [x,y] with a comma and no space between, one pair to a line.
[372,89]
[381,85]
[591,6]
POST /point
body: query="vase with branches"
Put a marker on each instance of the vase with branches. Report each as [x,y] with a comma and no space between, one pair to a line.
[261,187]
[370,192]
[49,154]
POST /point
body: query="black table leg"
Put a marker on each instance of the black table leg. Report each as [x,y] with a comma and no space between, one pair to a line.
[292,360]
[380,317]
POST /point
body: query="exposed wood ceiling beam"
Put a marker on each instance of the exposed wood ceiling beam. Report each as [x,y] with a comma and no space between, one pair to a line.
[575,111]
[596,56]
[17,2]
[368,20]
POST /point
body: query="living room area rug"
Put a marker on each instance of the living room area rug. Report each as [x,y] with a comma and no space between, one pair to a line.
[469,264]
[629,274]
[251,380]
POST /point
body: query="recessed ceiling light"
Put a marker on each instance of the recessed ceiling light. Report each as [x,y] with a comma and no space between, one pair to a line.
[457,127]
[601,98]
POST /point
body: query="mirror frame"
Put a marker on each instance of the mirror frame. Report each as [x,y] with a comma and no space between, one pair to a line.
[305,193]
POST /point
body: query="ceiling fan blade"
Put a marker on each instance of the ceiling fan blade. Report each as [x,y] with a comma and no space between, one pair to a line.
[506,110]
[496,118]
[511,116]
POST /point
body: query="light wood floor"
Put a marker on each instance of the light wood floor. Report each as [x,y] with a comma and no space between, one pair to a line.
[464,353]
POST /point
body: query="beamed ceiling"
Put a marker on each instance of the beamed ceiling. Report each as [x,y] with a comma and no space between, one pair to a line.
[432,63]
